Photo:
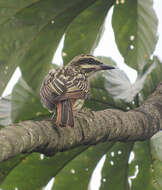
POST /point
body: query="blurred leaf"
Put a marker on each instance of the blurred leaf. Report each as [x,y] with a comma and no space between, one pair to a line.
[140,167]
[107,60]
[7,166]
[29,27]
[37,60]
[115,169]
[77,174]
[34,172]
[156,150]
[100,98]
[85,31]
[5,111]
[120,87]
[25,103]
[9,8]
[153,78]
[156,146]
[135,27]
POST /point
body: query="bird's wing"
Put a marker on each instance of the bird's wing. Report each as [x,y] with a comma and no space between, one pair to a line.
[77,87]
[53,87]
[62,84]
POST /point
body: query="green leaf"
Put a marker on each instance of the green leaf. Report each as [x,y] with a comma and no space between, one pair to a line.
[84,32]
[8,43]
[115,169]
[34,173]
[29,27]
[77,174]
[120,87]
[135,27]
[37,61]
[100,98]
[107,60]
[9,8]
[156,150]
[7,166]
[140,168]
[153,78]
[25,103]
[156,146]
[5,111]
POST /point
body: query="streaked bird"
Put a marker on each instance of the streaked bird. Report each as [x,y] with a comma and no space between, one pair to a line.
[63,86]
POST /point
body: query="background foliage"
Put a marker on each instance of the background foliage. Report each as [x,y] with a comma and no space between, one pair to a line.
[30,33]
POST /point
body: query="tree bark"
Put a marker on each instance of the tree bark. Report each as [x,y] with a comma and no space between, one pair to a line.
[90,128]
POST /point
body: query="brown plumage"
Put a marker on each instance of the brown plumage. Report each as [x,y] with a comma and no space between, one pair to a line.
[63,86]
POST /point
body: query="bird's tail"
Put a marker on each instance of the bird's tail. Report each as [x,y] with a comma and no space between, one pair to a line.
[65,113]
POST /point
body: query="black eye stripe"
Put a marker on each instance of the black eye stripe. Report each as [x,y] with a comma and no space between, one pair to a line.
[90,60]
[87,70]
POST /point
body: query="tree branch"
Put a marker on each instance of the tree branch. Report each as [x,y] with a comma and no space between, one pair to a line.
[90,128]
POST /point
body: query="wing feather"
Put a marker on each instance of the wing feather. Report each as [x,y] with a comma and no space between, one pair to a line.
[52,89]
[63,84]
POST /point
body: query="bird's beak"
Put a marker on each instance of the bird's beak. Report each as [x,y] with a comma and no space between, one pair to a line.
[106,67]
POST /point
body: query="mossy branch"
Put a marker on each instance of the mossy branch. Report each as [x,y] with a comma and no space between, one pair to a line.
[90,128]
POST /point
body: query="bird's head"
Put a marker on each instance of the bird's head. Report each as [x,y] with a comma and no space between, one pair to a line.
[89,64]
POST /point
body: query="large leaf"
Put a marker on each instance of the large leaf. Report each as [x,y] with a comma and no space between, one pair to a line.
[83,34]
[34,172]
[153,79]
[120,87]
[140,167]
[24,26]
[135,27]
[10,8]
[115,169]
[37,60]
[7,166]
[7,11]
[77,174]
[156,150]
[5,111]
[100,97]
[25,103]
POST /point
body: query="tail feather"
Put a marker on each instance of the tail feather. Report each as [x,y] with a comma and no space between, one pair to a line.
[65,113]
[70,114]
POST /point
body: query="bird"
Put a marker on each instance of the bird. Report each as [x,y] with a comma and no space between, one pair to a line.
[62,87]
